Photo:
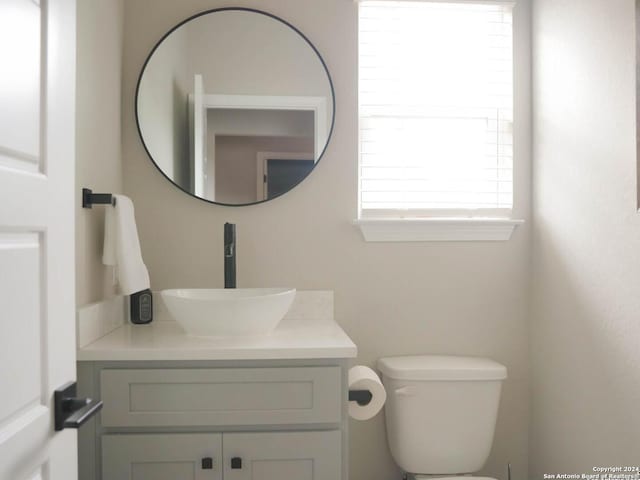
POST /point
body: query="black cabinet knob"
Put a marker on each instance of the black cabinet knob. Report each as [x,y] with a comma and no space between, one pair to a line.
[207,463]
[236,462]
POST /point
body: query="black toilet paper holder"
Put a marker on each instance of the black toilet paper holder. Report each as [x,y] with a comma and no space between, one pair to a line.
[361,397]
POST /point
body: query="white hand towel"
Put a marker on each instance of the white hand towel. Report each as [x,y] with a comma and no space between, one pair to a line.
[122,246]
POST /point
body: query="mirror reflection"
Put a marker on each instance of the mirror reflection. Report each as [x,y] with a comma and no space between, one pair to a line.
[235,106]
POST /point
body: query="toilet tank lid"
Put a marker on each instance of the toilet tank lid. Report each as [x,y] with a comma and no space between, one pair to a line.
[441,367]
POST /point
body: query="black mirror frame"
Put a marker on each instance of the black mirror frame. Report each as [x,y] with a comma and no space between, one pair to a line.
[242,9]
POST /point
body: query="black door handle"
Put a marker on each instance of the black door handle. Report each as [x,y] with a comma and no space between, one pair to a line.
[236,462]
[207,463]
[70,411]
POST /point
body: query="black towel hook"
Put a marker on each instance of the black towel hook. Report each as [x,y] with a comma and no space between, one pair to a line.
[89,198]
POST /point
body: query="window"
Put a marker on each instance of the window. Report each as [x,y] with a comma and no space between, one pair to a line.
[436,109]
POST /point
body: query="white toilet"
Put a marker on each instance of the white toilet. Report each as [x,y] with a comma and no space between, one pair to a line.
[441,413]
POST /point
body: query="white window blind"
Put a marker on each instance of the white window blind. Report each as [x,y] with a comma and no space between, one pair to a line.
[435,108]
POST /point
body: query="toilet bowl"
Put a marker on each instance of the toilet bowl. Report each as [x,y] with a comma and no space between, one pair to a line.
[441,413]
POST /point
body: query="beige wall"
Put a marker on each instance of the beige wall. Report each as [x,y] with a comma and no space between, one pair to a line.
[283,65]
[586,261]
[269,123]
[163,107]
[98,139]
[392,299]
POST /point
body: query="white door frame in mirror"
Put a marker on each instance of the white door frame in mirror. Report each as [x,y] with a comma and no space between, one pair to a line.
[317,105]
[262,185]
[198,143]
[200,103]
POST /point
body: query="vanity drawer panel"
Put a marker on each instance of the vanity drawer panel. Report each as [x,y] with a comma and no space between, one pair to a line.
[221,396]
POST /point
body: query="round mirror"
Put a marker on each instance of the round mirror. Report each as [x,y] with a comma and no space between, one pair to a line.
[235,106]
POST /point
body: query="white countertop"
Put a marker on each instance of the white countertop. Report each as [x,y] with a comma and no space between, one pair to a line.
[165,340]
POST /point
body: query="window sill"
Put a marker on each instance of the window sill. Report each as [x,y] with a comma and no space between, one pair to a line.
[437,229]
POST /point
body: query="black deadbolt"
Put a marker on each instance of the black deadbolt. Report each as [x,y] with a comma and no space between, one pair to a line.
[207,463]
[236,462]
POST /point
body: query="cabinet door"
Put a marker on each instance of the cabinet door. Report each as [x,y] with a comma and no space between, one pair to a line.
[283,455]
[161,457]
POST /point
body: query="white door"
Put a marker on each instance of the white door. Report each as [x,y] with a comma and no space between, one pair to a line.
[37,303]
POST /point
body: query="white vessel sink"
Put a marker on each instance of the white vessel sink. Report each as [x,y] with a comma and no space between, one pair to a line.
[228,312]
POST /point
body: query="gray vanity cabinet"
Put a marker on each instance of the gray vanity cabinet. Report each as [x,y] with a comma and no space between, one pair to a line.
[269,420]
[278,456]
[228,456]
[166,397]
[162,457]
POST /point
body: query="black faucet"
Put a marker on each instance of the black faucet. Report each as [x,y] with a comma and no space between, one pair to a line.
[229,255]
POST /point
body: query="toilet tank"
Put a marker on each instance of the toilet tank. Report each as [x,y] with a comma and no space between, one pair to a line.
[441,411]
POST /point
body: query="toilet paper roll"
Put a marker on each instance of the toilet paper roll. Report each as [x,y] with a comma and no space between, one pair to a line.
[363,378]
